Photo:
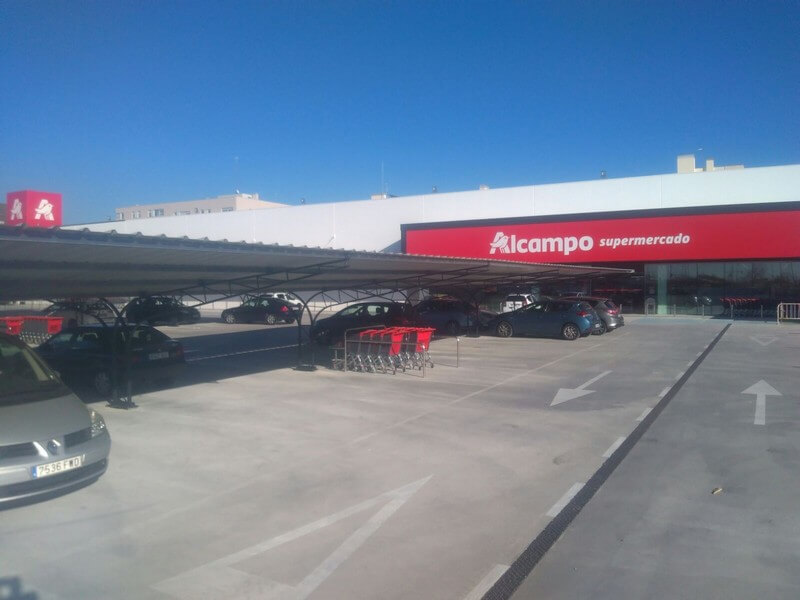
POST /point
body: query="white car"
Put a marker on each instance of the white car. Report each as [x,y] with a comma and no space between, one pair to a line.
[515,301]
[286,297]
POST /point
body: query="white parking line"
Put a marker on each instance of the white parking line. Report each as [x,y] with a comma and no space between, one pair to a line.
[690,363]
[645,412]
[487,582]
[613,447]
[699,354]
[679,375]
[665,391]
[559,506]
[240,352]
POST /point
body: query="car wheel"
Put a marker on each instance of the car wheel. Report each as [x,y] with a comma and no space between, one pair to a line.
[271,319]
[603,329]
[452,328]
[504,329]
[230,318]
[101,383]
[570,331]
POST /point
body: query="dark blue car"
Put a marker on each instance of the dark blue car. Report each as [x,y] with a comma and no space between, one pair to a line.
[569,320]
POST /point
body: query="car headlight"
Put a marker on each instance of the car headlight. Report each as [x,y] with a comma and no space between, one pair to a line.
[98,423]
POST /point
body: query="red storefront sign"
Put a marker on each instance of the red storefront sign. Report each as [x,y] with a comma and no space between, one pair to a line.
[34,209]
[750,235]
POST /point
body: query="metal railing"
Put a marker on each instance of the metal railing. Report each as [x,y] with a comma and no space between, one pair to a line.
[788,311]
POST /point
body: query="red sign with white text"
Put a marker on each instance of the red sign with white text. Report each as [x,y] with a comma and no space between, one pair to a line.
[772,234]
[34,209]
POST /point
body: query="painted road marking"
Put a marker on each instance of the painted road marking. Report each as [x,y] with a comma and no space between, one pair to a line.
[613,447]
[699,354]
[220,579]
[680,375]
[565,394]
[564,500]
[690,363]
[645,412]
[665,391]
[237,353]
[763,341]
[487,582]
[761,390]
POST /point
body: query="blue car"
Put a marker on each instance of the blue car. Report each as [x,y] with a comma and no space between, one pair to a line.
[569,320]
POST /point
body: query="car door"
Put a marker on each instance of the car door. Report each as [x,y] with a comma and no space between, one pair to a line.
[554,317]
[528,320]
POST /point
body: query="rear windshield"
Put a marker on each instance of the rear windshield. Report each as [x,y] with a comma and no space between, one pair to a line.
[610,305]
[23,376]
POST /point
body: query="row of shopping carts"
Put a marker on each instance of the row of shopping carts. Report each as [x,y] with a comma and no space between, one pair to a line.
[386,350]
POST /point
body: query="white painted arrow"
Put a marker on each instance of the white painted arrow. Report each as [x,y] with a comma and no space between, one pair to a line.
[761,390]
[763,341]
[565,394]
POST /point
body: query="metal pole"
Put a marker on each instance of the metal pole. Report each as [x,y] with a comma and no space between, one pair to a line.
[344,364]
[457,350]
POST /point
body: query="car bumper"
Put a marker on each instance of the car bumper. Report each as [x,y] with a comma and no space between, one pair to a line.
[615,322]
[18,483]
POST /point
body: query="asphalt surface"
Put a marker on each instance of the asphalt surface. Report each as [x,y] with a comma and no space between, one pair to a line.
[704,506]
[252,480]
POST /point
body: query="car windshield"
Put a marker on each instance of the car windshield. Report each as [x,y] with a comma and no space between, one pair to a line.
[23,377]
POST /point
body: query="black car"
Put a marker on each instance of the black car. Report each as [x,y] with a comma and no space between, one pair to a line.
[160,310]
[447,315]
[84,357]
[362,314]
[261,309]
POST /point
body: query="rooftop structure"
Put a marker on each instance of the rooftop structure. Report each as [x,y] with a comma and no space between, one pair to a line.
[226,203]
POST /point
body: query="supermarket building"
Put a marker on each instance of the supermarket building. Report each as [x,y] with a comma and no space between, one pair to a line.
[696,239]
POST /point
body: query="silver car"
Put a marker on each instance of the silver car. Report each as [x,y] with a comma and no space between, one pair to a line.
[49,440]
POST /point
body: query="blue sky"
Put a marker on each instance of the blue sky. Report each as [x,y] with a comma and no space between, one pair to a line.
[114,103]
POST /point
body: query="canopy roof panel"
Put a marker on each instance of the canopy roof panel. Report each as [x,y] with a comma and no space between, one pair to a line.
[60,263]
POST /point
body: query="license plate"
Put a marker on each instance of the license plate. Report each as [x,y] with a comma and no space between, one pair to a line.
[157,355]
[56,467]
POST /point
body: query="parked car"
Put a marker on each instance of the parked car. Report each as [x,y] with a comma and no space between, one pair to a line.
[515,301]
[84,356]
[261,309]
[287,297]
[160,310]
[610,318]
[447,315]
[550,318]
[362,314]
[49,440]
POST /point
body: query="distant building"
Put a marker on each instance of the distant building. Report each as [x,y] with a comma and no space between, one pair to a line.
[228,203]
[686,164]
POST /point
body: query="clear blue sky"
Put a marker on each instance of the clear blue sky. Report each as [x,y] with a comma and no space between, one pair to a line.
[114,103]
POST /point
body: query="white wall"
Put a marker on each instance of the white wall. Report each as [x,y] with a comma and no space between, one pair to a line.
[375,224]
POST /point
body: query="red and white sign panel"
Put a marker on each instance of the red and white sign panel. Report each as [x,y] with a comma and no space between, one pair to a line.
[34,209]
[769,234]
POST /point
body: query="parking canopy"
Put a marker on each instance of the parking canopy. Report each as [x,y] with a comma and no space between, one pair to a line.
[59,263]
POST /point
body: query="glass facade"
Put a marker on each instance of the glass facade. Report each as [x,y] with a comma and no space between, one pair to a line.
[711,288]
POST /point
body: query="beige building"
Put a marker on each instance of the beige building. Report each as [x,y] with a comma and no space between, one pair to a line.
[687,164]
[229,203]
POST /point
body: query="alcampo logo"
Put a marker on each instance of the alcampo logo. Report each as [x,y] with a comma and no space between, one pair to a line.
[44,210]
[16,211]
[565,245]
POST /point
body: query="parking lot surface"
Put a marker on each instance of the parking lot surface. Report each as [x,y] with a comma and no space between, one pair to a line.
[252,480]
